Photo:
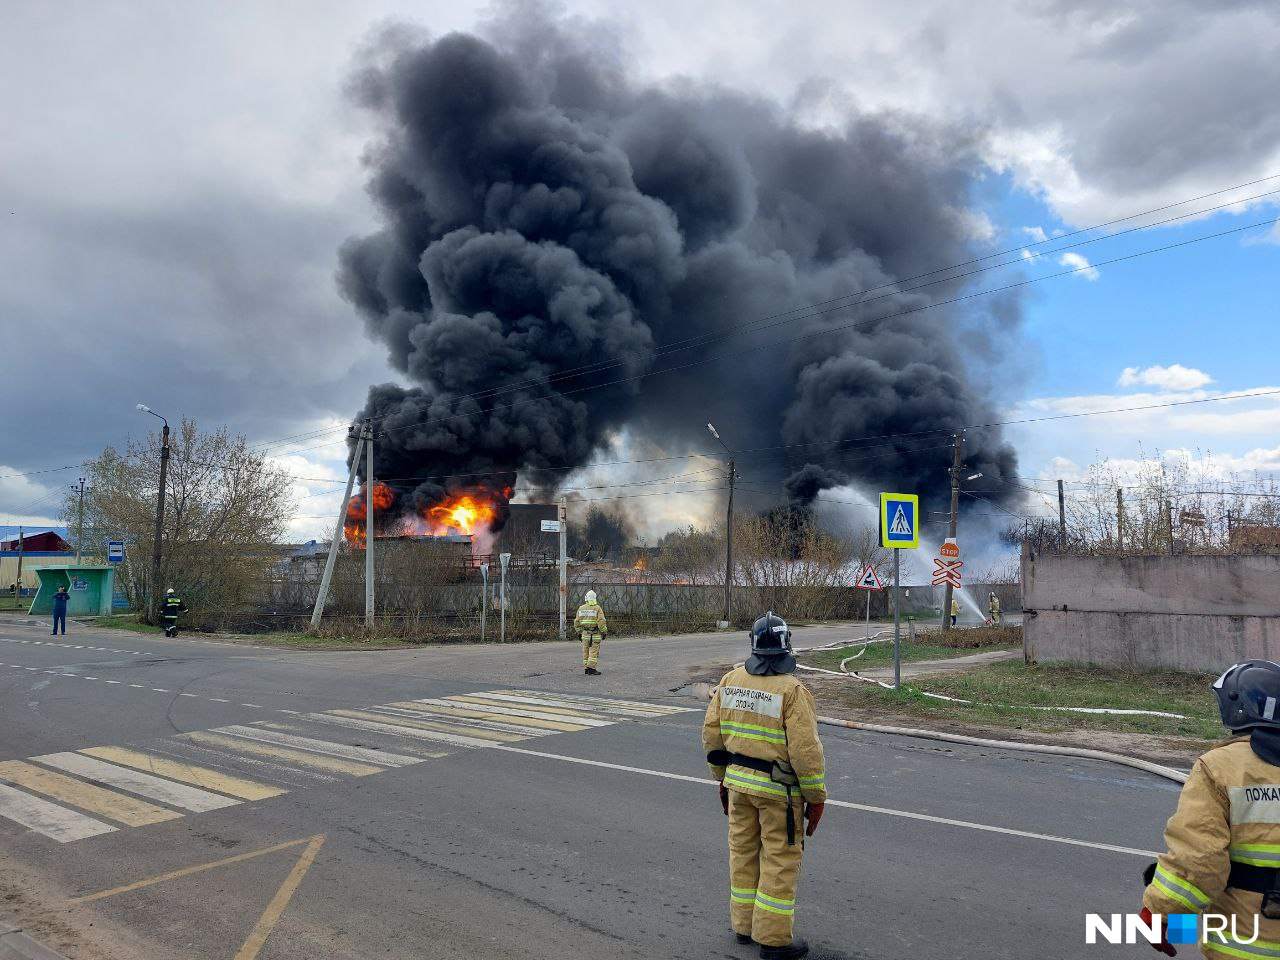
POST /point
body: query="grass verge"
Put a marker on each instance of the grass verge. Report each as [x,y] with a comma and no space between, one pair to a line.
[1005,695]
[931,645]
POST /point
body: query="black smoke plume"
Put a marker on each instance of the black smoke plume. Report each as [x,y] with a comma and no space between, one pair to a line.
[551,230]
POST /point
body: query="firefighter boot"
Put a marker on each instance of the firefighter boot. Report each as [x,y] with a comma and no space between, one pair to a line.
[796,948]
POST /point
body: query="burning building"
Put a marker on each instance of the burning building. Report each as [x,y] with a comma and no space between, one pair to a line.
[567,256]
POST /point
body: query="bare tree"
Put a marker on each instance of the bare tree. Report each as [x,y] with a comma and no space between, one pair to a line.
[225,508]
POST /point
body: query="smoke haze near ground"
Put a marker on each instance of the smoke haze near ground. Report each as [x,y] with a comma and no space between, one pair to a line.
[551,229]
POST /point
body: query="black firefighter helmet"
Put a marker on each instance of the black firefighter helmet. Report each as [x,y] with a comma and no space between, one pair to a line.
[1249,695]
[770,647]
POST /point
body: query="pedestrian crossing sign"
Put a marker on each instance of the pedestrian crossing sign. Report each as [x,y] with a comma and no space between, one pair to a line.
[900,520]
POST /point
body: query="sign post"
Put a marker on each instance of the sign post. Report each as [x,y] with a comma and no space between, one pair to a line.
[868,582]
[484,595]
[504,560]
[899,530]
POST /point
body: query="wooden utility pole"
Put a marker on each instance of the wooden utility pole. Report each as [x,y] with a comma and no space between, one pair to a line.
[728,553]
[563,514]
[1062,518]
[1119,519]
[157,545]
[951,526]
[17,585]
[80,530]
[368,524]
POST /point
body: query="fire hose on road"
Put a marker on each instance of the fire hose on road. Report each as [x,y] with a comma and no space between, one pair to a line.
[1160,770]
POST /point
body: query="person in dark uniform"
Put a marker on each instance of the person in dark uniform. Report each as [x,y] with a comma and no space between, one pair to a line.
[60,611]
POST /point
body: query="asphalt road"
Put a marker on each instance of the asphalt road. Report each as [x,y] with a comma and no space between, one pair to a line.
[192,799]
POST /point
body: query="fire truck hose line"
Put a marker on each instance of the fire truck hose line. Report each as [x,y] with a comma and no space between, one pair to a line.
[1168,773]
[1083,753]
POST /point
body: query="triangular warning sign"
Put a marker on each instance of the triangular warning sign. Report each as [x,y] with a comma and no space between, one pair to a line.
[869,580]
[901,526]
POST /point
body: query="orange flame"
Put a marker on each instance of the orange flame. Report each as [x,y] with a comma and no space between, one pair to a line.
[641,564]
[353,525]
[461,515]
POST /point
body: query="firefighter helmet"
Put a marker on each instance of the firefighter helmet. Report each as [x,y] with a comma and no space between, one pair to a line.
[590,597]
[770,647]
[1249,695]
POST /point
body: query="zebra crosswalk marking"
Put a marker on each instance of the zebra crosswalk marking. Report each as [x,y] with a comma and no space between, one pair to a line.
[528,717]
[106,782]
[556,701]
[134,781]
[418,711]
[185,772]
[380,758]
[484,700]
[656,709]
[283,754]
[95,800]
[420,723]
[55,822]
[343,718]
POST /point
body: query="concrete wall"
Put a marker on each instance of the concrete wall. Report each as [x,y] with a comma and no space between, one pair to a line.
[1182,612]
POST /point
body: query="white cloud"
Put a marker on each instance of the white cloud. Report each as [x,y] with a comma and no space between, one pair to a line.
[1074,261]
[1173,377]
[1029,256]
[1036,234]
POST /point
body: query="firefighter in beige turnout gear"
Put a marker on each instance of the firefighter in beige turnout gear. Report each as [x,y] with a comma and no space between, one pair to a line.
[761,740]
[592,628]
[1224,838]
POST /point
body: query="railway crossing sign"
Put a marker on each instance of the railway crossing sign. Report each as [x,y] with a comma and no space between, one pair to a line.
[869,580]
[900,520]
[946,568]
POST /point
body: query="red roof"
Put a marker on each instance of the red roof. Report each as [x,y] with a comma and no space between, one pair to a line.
[48,542]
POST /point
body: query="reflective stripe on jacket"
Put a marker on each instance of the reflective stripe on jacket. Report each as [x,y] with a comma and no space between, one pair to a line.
[768,718]
[590,619]
[1229,811]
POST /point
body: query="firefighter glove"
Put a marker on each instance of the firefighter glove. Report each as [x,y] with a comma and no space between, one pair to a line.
[813,813]
[1164,946]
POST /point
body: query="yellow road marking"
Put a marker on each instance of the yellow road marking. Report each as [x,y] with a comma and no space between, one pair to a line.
[185,772]
[271,916]
[188,871]
[484,701]
[477,713]
[284,754]
[105,803]
[398,721]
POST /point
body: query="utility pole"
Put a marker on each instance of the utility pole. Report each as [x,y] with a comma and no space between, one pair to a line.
[368,524]
[951,528]
[323,594]
[80,533]
[1168,516]
[154,604]
[1119,519]
[17,586]
[728,537]
[1062,517]
[728,554]
[563,515]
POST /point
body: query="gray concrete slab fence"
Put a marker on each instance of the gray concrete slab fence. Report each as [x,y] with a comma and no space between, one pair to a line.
[1181,612]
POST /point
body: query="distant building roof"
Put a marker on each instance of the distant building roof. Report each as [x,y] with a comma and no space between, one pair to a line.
[45,542]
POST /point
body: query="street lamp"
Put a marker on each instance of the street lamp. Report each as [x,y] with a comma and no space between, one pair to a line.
[164,473]
[728,536]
